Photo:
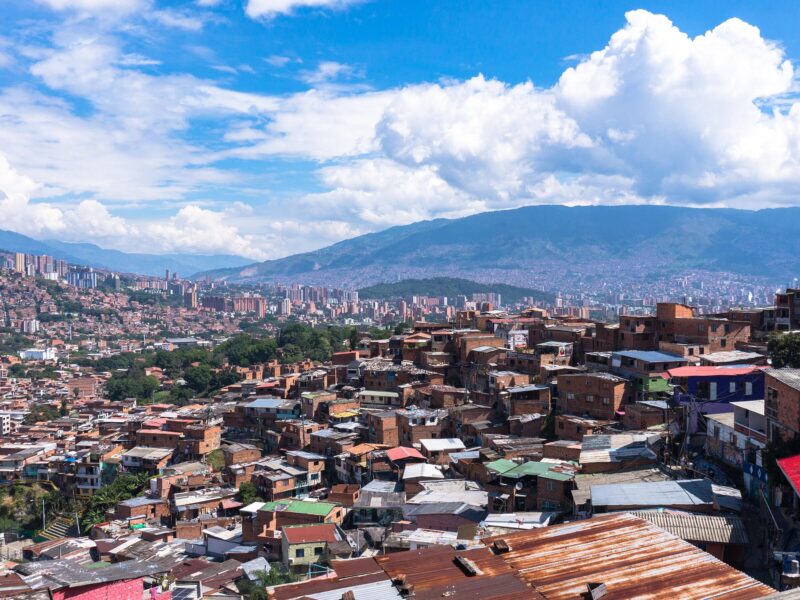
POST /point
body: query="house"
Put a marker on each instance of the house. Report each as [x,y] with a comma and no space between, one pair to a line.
[305,545]
[738,437]
[150,460]
[647,370]
[437,449]
[595,395]
[716,387]
[782,403]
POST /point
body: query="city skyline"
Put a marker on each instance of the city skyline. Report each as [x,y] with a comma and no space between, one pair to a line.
[266,128]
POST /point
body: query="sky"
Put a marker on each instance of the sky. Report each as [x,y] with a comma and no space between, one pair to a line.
[264,128]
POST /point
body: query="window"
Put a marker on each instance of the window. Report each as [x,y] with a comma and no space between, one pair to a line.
[723,342]
[606,401]
[748,388]
[570,396]
[590,398]
[551,485]
[299,553]
[732,387]
[318,551]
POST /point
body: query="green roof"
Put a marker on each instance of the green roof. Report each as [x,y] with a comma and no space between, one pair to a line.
[319,509]
[528,468]
[557,475]
[537,469]
[501,465]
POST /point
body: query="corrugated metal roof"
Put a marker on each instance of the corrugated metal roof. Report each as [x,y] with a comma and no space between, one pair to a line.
[378,590]
[723,529]
[631,556]
[790,377]
[692,492]
[434,574]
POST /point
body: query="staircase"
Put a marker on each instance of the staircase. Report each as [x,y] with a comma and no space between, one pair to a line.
[58,528]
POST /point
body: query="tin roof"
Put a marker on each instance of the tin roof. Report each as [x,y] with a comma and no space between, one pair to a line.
[631,556]
[435,573]
[692,527]
[790,377]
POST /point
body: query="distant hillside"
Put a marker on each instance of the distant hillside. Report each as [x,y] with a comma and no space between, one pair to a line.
[114,260]
[450,287]
[533,245]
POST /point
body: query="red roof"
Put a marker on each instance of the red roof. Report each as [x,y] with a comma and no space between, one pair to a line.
[304,534]
[403,453]
[791,469]
[711,371]
[227,504]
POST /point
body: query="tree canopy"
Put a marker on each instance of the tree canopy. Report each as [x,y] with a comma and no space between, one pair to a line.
[785,350]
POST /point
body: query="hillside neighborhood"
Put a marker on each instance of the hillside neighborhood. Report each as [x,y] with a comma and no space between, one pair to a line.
[164,438]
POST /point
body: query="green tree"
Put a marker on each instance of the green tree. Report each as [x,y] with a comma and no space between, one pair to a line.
[248,493]
[785,350]
[124,487]
[132,384]
[257,590]
[198,378]
[39,413]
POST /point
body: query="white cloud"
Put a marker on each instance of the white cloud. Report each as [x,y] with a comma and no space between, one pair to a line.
[177,19]
[375,194]
[269,9]
[316,124]
[97,6]
[653,117]
[680,115]
[481,136]
[328,70]
[191,229]
[276,60]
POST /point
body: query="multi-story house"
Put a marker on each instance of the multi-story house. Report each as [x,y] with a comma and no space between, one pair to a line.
[596,395]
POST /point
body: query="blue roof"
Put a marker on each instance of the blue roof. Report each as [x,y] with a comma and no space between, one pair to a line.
[266,403]
[650,356]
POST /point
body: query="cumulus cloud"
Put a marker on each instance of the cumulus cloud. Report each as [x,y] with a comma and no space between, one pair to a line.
[655,116]
[268,9]
[681,115]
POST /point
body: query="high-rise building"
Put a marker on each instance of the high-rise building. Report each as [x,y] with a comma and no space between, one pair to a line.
[19,262]
[82,277]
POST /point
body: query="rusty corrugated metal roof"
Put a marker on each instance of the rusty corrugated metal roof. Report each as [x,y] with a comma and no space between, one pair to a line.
[434,573]
[631,556]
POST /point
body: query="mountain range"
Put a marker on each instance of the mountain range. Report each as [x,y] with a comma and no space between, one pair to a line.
[114,260]
[535,245]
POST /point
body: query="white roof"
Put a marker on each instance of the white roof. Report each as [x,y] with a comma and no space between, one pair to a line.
[754,406]
[440,444]
[425,470]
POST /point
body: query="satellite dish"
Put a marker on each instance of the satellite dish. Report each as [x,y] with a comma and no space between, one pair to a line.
[518,486]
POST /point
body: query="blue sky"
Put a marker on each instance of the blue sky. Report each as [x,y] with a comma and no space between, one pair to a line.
[268,127]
